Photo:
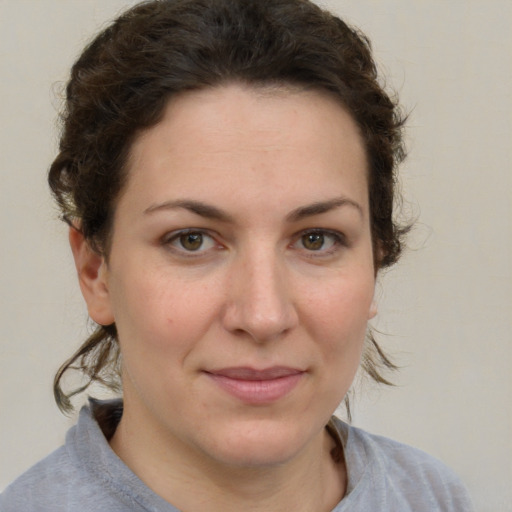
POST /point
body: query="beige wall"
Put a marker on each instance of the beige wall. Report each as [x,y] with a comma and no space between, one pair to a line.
[447,307]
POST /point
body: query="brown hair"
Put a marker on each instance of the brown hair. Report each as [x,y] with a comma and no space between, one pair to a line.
[125,76]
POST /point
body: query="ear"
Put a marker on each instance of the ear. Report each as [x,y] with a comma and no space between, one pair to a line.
[92,276]
[372,312]
[379,254]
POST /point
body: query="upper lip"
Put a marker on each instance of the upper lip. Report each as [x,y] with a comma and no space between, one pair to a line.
[248,373]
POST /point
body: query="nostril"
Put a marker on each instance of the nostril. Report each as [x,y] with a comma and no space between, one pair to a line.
[259,324]
[258,300]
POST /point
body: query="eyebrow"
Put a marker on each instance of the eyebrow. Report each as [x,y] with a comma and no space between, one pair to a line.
[322,207]
[199,208]
[212,212]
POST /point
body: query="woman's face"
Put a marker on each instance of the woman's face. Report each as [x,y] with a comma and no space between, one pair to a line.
[241,275]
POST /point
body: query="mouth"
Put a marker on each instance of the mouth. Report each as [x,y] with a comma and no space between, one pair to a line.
[257,387]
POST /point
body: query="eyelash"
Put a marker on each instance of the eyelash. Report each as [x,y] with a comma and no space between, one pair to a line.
[338,240]
[171,238]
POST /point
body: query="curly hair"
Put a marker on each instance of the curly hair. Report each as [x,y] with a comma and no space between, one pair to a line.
[124,78]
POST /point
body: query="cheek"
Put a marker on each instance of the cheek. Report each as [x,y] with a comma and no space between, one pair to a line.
[338,317]
[159,316]
[342,301]
[156,333]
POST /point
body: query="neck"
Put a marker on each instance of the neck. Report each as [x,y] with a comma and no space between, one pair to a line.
[189,480]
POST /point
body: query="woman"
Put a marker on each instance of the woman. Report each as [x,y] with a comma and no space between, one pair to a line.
[227,171]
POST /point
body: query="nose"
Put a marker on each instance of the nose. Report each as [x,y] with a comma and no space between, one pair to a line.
[259,298]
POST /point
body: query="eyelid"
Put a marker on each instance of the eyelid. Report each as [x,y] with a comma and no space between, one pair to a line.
[339,241]
[168,239]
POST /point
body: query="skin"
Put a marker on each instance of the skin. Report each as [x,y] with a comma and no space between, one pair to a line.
[278,272]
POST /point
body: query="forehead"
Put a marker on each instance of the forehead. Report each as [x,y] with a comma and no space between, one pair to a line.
[235,136]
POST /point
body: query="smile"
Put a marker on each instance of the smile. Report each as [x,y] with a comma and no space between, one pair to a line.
[257,387]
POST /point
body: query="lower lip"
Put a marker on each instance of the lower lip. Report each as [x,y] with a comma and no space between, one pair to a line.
[258,392]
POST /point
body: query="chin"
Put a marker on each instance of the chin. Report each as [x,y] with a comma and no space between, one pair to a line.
[260,444]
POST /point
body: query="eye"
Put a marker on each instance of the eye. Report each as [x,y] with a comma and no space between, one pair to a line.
[320,241]
[190,241]
[313,241]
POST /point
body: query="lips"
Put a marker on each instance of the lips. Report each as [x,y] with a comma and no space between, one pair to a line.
[257,387]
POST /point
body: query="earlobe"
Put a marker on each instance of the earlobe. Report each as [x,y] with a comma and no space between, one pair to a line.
[92,276]
[372,312]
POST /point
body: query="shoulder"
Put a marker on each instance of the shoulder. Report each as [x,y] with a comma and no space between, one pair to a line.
[61,482]
[43,484]
[84,475]
[71,478]
[399,474]
[402,459]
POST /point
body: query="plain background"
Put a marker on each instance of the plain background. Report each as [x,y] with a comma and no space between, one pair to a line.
[445,310]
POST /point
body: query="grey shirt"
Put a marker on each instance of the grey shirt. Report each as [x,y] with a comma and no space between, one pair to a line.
[85,475]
